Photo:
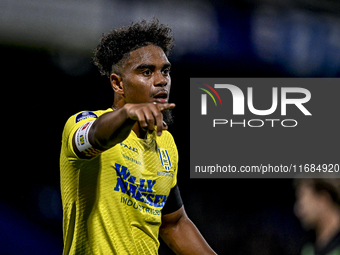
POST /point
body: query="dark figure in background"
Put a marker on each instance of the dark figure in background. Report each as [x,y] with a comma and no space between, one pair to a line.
[318,208]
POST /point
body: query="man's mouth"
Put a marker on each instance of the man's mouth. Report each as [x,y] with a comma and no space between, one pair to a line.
[161,97]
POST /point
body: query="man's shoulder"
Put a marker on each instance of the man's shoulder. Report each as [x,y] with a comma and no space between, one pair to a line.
[83,115]
[80,118]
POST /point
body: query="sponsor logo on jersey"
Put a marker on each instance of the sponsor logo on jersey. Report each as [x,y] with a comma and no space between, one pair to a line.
[132,159]
[129,147]
[82,140]
[165,159]
[85,115]
[165,174]
[138,188]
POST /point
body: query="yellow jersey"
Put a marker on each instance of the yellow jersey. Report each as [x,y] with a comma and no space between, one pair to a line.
[112,203]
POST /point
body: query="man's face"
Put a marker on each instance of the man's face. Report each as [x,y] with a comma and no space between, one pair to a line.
[146,76]
[308,206]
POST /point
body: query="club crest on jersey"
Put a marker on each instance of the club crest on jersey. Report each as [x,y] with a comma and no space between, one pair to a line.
[165,159]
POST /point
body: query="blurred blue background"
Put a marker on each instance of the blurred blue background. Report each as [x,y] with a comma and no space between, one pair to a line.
[47,75]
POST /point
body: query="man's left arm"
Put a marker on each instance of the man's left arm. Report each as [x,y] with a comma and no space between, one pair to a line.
[181,235]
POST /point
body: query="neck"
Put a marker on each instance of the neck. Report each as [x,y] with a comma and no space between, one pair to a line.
[329,226]
[117,103]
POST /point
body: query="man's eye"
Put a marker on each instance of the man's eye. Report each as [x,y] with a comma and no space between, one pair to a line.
[147,72]
[166,71]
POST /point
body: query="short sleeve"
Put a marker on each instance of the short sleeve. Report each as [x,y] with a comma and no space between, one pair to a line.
[174,201]
[71,126]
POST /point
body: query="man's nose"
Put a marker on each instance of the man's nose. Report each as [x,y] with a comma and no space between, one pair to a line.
[160,80]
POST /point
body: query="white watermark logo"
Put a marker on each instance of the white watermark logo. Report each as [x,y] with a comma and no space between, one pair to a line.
[280,102]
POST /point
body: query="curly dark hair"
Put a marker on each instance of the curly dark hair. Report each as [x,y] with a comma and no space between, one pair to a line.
[115,45]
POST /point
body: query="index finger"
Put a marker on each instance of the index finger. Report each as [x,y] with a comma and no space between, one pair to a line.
[159,117]
[165,106]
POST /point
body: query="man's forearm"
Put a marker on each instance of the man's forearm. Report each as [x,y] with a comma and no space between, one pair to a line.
[184,238]
[111,128]
[114,127]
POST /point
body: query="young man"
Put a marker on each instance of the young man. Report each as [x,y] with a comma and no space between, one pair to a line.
[119,166]
[318,208]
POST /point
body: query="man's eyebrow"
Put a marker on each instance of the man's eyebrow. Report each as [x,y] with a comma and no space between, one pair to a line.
[152,67]
[167,65]
[145,66]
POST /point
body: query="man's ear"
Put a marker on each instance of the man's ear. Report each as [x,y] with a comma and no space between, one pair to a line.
[116,83]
